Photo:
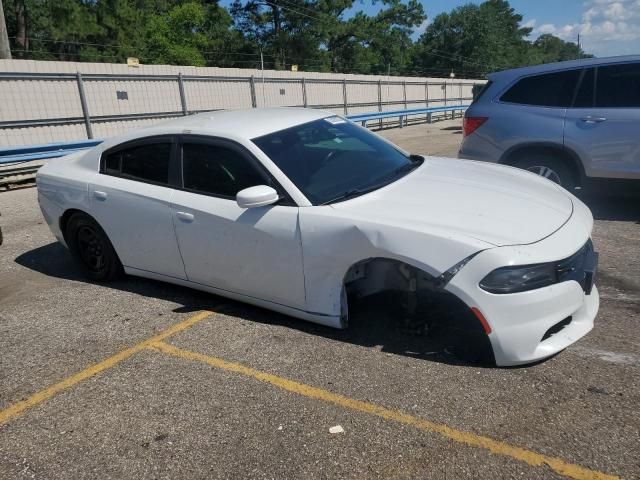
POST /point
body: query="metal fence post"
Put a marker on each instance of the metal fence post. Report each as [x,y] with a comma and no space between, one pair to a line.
[83,103]
[252,84]
[404,95]
[445,98]
[304,92]
[426,99]
[344,95]
[380,101]
[183,98]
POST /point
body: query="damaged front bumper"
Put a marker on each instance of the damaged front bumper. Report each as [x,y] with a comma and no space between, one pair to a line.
[529,326]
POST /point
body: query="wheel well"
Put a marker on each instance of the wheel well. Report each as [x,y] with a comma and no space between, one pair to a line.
[64,220]
[569,157]
[413,302]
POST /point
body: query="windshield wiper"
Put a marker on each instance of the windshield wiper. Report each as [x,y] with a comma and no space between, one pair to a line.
[354,192]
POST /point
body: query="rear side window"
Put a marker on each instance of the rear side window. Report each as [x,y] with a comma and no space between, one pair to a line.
[618,86]
[546,90]
[147,163]
[217,170]
[478,90]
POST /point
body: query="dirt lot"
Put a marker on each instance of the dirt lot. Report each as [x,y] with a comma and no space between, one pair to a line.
[140,379]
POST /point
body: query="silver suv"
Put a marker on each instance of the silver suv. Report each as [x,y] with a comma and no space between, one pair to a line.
[567,121]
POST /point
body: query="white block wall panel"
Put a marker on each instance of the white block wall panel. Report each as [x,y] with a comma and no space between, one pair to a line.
[110,129]
[15,137]
[38,99]
[279,94]
[324,93]
[216,95]
[362,93]
[143,97]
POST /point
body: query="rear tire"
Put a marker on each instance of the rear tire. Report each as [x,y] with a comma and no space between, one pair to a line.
[551,168]
[91,247]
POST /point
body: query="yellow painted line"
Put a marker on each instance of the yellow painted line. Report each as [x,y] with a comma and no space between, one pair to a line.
[494,446]
[37,398]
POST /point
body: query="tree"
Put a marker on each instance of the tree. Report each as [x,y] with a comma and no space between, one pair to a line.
[317,35]
[474,39]
[553,49]
[5,50]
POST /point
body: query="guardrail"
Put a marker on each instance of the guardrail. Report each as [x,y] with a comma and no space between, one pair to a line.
[41,152]
[403,114]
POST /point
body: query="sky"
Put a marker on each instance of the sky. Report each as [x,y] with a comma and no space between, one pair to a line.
[606,27]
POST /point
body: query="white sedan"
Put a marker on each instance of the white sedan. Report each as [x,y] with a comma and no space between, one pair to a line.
[300,210]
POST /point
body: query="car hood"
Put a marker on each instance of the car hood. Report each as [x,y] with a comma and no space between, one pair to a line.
[492,203]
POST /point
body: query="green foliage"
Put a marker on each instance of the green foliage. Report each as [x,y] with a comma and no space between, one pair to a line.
[553,49]
[473,40]
[316,35]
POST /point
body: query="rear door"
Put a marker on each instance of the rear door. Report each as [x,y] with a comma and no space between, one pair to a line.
[603,127]
[255,251]
[532,111]
[130,199]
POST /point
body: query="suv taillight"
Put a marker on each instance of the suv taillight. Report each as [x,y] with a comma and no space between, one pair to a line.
[470,124]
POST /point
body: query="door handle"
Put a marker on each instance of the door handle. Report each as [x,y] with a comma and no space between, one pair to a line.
[185,216]
[593,119]
[100,195]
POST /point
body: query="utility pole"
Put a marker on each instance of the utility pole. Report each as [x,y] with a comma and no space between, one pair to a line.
[5,50]
[579,51]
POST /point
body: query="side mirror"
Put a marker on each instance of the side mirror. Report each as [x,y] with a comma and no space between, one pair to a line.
[257,196]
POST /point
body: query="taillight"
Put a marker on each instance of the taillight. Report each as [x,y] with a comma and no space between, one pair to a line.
[470,124]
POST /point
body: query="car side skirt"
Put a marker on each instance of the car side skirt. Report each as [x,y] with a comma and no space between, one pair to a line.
[319,318]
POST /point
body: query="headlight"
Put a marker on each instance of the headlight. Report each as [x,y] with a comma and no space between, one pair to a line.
[520,279]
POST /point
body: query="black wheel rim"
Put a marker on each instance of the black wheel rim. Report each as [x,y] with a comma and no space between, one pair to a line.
[546,172]
[91,248]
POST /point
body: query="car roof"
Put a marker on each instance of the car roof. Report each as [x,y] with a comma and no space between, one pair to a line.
[513,73]
[248,123]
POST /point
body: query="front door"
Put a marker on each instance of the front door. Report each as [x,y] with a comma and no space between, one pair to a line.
[256,251]
[603,126]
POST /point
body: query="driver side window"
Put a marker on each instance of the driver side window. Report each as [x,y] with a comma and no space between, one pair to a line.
[217,170]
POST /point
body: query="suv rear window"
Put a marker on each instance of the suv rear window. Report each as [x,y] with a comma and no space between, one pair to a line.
[479,89]
[547,90]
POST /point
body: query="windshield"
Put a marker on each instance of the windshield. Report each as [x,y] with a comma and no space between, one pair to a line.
[332,159]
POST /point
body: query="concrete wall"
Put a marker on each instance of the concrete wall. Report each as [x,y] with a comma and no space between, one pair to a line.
[56,99]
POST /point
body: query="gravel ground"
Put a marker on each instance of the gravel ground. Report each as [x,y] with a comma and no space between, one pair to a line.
[154,415]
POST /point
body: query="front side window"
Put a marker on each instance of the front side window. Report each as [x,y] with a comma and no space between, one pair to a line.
[217,170]
[546,90]
[618,86]
[332,159]
[147,163]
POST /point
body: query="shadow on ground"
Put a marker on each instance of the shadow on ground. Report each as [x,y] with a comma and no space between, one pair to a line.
[374,323]
[606,206]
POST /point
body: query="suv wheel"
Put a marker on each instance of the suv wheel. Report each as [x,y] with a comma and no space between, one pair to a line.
[550,168]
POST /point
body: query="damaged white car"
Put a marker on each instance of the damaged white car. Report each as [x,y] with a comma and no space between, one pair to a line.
[300,211]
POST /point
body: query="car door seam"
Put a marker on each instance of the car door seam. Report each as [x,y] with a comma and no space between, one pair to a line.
[175,233]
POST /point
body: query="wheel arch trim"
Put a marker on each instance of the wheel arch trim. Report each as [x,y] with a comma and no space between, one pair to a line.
[509,155]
